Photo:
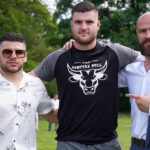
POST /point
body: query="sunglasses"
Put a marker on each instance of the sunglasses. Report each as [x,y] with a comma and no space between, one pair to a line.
[8,52]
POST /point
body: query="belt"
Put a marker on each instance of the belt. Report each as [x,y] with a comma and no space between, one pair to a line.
[138,142]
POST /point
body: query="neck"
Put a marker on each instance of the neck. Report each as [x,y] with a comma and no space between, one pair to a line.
[14,78]
[85,46]
[147,63]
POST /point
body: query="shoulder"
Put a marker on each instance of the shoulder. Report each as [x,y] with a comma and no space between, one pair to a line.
[115,46]
[52,58]
[57,53]
[107,44]
[111,46]
[32,79]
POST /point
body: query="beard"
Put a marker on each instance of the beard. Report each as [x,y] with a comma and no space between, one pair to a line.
[145,50]
[82,41]
[6,69]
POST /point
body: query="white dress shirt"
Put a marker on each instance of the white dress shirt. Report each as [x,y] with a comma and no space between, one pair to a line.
[18,108]
[135,77]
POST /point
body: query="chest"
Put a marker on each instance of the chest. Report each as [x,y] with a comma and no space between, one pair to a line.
[21,100]
[86,73]
[138,79]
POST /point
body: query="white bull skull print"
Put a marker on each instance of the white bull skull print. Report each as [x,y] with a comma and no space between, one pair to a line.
[88,79]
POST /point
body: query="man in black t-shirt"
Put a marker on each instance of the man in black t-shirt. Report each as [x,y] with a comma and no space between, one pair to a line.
[87,80]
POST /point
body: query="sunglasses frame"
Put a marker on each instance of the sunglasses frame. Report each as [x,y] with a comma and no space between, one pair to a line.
[11,52]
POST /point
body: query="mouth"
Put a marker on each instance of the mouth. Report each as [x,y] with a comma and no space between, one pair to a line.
[83,33]
[12,63]
[147,44]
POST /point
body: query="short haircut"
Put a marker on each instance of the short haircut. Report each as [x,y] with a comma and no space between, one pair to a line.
[12,36]
[84,7]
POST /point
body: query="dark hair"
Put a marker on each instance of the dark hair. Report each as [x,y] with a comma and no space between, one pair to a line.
[84,7]
[12,36]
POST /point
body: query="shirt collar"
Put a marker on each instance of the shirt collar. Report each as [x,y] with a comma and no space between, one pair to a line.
[26,80]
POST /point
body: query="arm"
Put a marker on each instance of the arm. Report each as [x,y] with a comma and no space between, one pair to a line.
[122,81]
[125,54]
[143,102]
[51,116]
[46,70]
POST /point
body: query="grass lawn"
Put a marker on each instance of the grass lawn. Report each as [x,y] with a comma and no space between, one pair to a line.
[46,140]
[123,130]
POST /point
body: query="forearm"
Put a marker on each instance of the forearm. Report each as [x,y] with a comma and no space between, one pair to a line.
[51,116]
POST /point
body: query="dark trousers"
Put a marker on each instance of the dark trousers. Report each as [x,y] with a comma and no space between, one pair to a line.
[135,147]
[148,135]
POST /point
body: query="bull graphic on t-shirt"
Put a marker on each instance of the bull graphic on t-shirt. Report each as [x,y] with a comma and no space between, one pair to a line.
[88,79]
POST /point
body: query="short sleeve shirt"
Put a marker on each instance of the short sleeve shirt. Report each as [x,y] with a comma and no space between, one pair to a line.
[18,107]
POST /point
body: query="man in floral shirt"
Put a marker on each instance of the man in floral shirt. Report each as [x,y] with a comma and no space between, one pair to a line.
[21,95]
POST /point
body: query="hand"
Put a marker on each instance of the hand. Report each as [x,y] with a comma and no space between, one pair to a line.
[69,44]
[143,102]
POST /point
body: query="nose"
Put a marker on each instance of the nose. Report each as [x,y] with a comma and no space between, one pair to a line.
[83,26]
[13,55]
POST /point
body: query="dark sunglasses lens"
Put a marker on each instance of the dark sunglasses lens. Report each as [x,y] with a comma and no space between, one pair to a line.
[20,53]
[7,53]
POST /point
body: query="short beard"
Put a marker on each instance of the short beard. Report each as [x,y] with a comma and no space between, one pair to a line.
[145,50]
[6,69]
[82,42]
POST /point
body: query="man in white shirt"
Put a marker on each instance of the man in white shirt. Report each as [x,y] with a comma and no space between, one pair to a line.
[137,77]
[21,96]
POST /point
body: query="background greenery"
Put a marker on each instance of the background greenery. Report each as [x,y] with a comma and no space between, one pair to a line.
[45,32]
[46,140]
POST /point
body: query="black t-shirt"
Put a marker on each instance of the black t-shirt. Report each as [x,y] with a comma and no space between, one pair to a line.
[88,90]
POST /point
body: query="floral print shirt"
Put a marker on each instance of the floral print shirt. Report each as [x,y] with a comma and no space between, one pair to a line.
[18,107]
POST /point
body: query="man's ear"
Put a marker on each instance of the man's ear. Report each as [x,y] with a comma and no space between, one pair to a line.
[98,24]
